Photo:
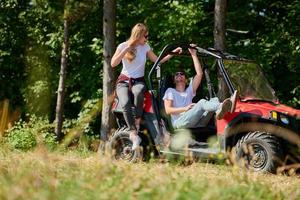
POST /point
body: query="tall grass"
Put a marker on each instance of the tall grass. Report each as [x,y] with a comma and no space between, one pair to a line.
[41,174]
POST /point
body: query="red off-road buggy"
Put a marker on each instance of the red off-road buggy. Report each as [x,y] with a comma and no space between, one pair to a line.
[262,132]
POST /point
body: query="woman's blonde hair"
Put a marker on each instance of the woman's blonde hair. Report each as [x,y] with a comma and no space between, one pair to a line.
[137,32]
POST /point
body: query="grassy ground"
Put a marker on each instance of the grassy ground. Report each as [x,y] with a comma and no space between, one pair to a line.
[70,175]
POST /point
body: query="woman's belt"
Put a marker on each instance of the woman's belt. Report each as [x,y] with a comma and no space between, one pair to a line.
[131,81]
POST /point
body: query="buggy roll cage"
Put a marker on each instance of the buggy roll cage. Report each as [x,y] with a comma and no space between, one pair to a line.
[210,52]
[204,53]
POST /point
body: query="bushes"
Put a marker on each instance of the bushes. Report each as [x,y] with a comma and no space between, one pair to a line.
[21,137]
[38,131]
[27,135]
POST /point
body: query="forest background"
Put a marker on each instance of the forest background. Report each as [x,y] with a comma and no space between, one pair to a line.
[32,51]
[32,34]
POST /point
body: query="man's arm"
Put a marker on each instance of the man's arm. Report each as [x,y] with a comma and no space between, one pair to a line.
[198,68]
[173,110]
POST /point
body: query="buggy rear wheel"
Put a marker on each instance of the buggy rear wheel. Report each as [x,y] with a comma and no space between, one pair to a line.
[259,151]
[120,147]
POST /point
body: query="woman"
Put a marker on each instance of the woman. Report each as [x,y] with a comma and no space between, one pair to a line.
[133,54]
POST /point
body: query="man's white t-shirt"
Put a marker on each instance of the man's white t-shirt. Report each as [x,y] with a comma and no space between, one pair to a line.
[135,68]
[180,99]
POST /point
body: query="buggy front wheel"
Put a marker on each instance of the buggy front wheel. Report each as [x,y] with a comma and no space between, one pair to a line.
[259,151]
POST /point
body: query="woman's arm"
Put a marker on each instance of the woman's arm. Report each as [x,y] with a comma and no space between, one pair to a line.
[151,55]
[118,56]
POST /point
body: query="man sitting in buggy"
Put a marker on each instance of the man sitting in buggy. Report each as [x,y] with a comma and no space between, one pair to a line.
[178,100]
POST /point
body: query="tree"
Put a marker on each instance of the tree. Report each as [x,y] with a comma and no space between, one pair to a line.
[62,77]
[72,12]
[109,34]
[219,39]
[220,24]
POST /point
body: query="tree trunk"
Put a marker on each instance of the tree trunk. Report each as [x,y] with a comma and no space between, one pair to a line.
[109,34]
[61,85]
[219,40]
[220,24]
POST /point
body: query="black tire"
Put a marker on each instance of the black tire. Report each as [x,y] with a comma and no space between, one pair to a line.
[259,151]
[120,145]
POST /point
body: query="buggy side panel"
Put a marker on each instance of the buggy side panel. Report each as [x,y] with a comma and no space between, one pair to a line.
[255,111]
[148,107]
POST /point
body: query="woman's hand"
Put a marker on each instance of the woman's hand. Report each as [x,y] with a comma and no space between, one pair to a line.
[119,54]
[128,48]
[153,58]
[133,43]
[177,50]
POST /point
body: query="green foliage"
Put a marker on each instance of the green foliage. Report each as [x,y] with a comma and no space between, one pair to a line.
[96,46]
[85,62]
[296,99]
[38,92]
[21,137]
[87,117]
[31,41]
[49,139]
[168,21]
[11,54]
[85,129]
[27,135]
[272,39]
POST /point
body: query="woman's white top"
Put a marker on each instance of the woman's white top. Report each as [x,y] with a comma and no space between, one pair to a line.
[135,68]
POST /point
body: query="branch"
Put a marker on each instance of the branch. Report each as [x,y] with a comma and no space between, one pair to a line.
[237,31]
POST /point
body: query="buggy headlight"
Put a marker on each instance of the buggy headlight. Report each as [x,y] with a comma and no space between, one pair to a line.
[280,117]
[284,119]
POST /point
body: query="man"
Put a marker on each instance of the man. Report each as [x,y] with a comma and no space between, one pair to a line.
[178,100]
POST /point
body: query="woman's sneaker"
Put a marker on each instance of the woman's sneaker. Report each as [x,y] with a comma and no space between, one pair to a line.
[135,139]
